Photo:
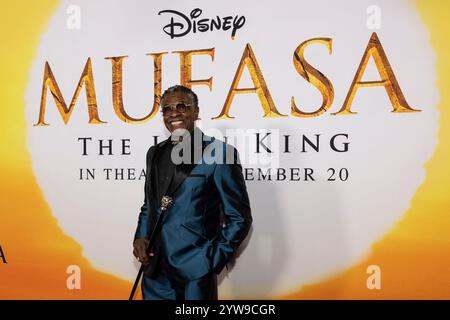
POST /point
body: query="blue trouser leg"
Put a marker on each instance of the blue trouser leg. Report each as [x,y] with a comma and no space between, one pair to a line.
[158,288]
[163,288]
[204,288]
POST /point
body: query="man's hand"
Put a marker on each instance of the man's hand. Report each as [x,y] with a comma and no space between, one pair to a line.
[140,247]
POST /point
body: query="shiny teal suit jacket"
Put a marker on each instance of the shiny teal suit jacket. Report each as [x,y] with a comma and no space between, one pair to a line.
[210,215]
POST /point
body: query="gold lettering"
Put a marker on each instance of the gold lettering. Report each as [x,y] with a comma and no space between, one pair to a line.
[117,96]
[86,79]
[388,81]
[313,76]
[249,60]
[186,67]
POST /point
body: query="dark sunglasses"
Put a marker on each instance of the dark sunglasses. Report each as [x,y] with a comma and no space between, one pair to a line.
[180,107]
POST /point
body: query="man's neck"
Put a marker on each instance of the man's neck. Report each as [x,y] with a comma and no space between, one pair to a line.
[175,138]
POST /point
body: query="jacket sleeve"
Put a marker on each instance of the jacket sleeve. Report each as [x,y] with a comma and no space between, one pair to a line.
[142,227]
[142,230]
[230,183]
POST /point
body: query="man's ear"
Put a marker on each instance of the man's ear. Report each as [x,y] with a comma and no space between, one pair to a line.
[196,112]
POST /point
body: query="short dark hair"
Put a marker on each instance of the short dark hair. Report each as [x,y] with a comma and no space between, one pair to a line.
[180,88]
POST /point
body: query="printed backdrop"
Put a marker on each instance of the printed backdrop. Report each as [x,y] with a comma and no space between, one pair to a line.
[356,202]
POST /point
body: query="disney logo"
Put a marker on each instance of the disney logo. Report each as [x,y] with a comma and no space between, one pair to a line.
[181,25]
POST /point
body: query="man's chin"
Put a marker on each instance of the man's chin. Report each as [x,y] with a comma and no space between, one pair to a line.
[180,128]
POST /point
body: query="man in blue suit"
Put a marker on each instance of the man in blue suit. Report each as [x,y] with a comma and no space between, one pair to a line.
[210,215]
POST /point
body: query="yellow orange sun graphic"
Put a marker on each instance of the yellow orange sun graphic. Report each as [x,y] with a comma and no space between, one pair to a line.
[413,255]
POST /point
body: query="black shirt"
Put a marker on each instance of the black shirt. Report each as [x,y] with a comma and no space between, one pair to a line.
[165,166]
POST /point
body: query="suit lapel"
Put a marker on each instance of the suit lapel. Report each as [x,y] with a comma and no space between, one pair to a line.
[158,190]
[151,196]
[183,170]
[150,173]
[163,190]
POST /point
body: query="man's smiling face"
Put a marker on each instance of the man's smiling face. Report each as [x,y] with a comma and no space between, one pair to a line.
[179,120]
